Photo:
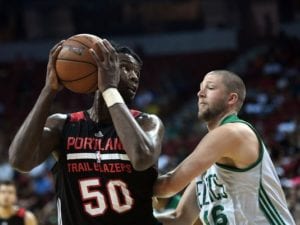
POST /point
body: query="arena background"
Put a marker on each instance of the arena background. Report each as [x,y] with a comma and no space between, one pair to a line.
[179,41]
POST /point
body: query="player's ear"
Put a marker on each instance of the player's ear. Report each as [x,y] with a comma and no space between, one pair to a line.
[233,98]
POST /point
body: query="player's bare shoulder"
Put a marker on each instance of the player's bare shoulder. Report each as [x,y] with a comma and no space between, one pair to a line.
[239,130]
[242,144]
[56,121]
[30,218]
[150,122]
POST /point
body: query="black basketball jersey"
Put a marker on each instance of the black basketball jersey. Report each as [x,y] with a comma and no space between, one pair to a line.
[95,181]
[17,219]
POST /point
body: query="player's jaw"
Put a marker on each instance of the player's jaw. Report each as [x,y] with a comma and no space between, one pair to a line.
[210,111]
[128,91]
[128,87]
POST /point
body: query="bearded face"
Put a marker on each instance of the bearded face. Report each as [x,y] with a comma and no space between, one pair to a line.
[212,97]
[129,76]
[210,110]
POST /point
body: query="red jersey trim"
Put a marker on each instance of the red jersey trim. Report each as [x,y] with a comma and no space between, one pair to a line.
[21,212]
[135,113]
[77,116]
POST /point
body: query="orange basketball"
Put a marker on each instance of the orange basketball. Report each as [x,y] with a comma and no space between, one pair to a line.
[75,65]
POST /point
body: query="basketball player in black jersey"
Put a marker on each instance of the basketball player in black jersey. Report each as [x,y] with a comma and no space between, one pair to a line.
[105,155]
[10,214]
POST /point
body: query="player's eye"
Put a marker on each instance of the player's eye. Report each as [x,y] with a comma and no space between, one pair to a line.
[123,68]
[210,87]
[137,72]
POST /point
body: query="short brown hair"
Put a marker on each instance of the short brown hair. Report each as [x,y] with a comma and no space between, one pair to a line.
[233,83]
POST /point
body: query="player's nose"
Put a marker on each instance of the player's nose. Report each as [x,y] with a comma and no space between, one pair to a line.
[133,77]
[201,93]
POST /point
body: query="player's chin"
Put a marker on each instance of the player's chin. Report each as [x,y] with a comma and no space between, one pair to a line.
[129,98]
[201,115]
[130,94]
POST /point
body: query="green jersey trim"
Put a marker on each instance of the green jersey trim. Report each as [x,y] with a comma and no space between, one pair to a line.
[234,119]
[268,208]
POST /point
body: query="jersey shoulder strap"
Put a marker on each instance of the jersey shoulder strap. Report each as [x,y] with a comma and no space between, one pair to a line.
[76,116]
[233,118]
[135,113]
[21,212]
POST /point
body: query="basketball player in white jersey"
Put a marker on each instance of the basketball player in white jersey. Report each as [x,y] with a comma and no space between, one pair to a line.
[232,180]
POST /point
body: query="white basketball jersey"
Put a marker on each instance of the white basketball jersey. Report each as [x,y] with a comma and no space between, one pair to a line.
[251,196]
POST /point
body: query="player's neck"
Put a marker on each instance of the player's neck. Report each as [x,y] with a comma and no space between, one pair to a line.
[6,212]
[99,112]
[212,124]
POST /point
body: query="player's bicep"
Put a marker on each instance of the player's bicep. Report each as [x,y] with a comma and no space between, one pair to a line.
[51,135]
[153,128]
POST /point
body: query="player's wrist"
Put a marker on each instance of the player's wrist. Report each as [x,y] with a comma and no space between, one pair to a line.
[112,96]
[48,90]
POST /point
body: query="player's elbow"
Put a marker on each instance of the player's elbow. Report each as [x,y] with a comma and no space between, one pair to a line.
[144,158]
[18,163]
[21,167]
[141,163]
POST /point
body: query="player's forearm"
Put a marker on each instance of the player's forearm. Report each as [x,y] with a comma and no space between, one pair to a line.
[25,143]
[164,186]
[138,146]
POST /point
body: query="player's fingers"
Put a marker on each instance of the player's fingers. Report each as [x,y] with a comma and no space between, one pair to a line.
[102,48]
[56,51]
[59,44]
[112,53]
[101,52]
[54,55]
[108,45]
[95,56]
